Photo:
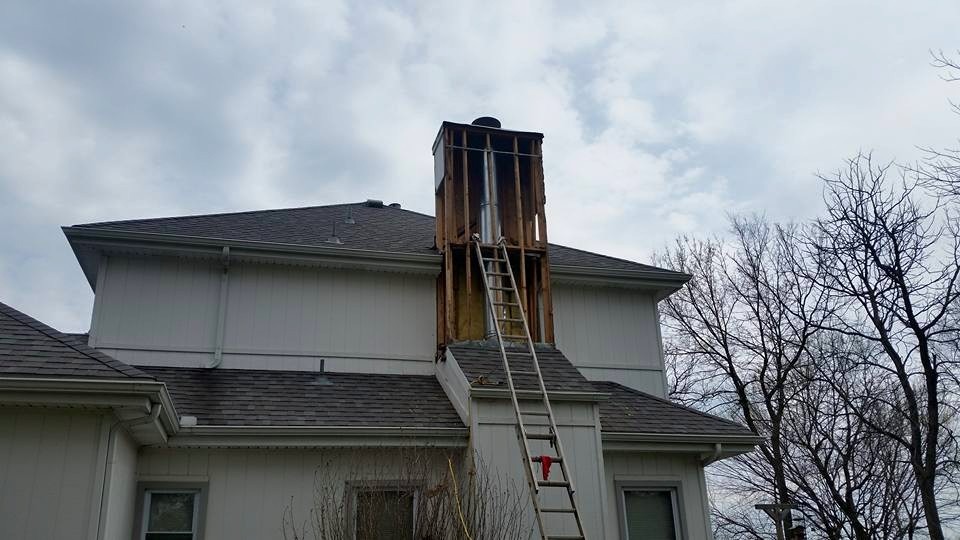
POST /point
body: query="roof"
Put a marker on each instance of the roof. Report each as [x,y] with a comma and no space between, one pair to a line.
[30,348]
[376,228]
[624,411]
[243,397]
[631,411]
[483,367]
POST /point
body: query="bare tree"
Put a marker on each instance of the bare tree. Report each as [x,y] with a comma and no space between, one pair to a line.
[889,265]
[732,322]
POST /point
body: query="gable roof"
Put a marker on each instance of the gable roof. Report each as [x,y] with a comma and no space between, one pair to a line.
[29,347]
[631,411]
[377,228]
[245,397]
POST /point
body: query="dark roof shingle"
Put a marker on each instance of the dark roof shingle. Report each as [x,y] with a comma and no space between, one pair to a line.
[29,347]
[376,228]
[631,411]
[482,365]
[241,397]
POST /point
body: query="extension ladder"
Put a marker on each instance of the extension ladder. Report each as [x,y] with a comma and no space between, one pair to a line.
[504,301]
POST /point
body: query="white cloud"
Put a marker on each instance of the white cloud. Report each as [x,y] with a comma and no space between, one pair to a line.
[659,118]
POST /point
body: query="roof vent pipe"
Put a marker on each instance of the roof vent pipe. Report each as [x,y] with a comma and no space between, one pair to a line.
[489,213]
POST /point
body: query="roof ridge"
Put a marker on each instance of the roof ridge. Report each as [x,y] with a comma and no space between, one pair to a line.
[677,405]
[64,339]
[275,371]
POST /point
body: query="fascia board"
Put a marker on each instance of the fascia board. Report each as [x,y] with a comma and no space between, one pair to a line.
[109,393]
[427,263]
[318,436]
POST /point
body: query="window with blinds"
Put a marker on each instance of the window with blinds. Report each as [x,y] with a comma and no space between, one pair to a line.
[651,513]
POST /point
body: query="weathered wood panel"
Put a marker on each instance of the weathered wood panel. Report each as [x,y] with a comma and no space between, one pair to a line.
[48,474]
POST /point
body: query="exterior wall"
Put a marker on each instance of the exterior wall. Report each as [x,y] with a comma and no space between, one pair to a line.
[260,493]
[610,334]
[495,442]
[164,311]
[120,494]
[51,467]
[653,468]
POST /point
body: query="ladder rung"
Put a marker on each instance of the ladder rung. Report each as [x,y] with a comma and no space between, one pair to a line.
[496,303]
[559,511]
[496,288]
[498,273]
[554,483]
[512,336]
[562,537]
[519,353]
[522,372]
[555,459]
[508,319]
[534,413]
[493,260]
[540,436]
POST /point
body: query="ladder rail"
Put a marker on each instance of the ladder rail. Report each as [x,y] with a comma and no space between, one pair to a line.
[531,478]
[571,489]
[545,400]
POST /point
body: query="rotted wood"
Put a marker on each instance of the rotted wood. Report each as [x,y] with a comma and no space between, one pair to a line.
[448,253]
[467,253]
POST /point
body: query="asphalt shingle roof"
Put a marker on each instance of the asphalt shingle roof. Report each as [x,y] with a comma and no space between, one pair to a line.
[384,228]
[241,397]
[631,411]
[483,367]
[30,348]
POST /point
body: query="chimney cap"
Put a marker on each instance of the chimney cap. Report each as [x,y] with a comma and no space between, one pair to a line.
[394,205]
[374,203]
[487,121]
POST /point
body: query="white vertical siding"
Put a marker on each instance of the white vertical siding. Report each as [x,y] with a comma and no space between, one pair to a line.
[163,311]
[684,469]
[48,474]
[610,334]
[495,441]
[251,491]
[117,514]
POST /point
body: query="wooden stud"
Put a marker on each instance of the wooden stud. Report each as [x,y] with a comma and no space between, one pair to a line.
[542,203]
[448,252]
[467,255]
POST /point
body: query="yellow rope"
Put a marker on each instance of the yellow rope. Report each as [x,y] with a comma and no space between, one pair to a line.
[456,498]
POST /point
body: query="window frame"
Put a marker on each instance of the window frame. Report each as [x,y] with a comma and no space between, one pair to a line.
[674,488]
[353,488]
[144,491]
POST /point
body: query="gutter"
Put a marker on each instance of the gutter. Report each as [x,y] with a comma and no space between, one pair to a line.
[318,436]
[96,393]
[667,281]
[684,438]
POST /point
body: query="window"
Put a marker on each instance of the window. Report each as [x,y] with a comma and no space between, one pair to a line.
[170,513]
[650,513]
[384,513]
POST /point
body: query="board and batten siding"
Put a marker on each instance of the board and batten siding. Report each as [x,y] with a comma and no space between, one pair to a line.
[652,469]
[164,311]
[611,334]
[51,474]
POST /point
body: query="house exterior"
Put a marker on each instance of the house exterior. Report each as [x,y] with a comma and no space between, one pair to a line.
[231,357]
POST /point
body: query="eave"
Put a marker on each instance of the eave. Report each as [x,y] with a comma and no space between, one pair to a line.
[88,242]
[318,437]
[131,400]
[709,446]
[665,283]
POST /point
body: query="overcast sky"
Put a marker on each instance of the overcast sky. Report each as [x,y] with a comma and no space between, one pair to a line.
[659,118]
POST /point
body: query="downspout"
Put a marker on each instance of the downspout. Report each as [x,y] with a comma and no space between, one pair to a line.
[111,447]
[221,308]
